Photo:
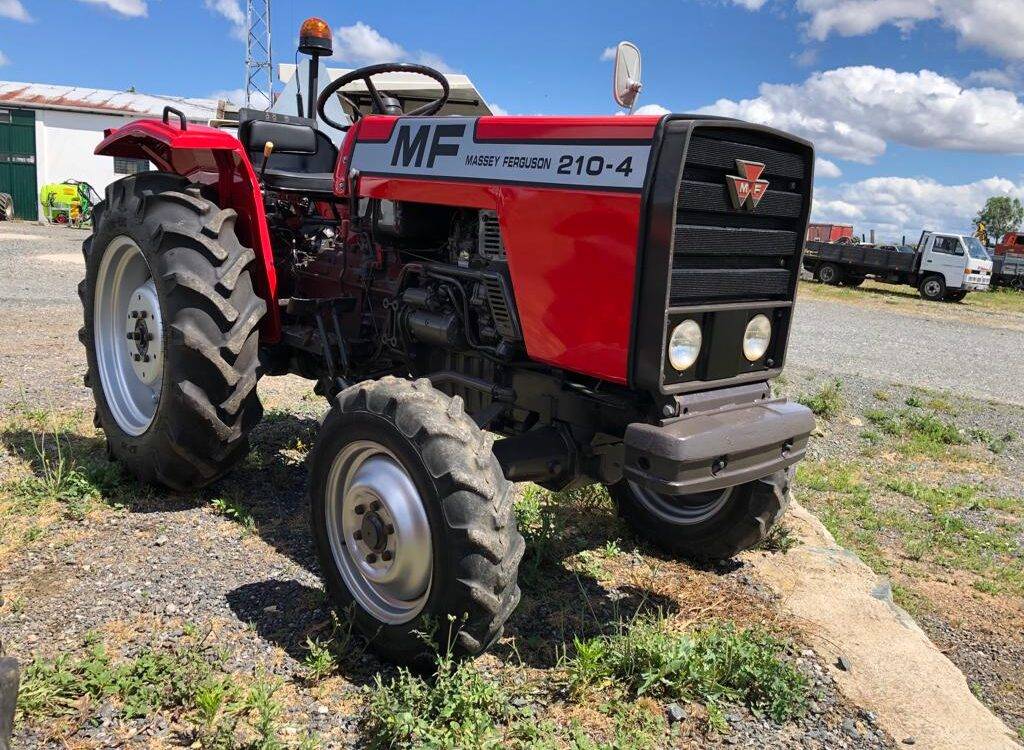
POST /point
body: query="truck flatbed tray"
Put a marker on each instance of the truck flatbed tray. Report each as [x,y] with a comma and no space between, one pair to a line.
[861,255]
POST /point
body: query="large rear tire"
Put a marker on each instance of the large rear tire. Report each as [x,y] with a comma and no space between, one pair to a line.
[170,331]
[413,520]
[710,526]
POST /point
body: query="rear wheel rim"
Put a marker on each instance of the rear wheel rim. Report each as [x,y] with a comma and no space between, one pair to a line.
[379,533]
[128,335]
[932,288]
[681,510]
[828,275]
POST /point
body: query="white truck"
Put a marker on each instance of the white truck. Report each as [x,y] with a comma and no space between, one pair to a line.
[943,266]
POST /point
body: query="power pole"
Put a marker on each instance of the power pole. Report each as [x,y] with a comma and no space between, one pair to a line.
[259,67]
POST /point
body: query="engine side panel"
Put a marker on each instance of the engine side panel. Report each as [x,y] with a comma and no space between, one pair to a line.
[568,196]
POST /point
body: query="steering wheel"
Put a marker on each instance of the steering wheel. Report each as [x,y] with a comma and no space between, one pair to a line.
[366,75]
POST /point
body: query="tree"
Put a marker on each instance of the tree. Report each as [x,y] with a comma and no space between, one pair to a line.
[1000,215]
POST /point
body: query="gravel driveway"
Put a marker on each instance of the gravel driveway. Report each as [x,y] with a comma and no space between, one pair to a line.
[847,339]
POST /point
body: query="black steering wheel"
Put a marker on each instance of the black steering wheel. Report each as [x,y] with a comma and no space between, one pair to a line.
[379,108]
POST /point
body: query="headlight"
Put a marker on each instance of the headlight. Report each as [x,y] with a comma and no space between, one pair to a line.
[684,345]
[757,337]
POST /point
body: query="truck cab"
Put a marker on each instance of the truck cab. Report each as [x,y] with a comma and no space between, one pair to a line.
[952,265]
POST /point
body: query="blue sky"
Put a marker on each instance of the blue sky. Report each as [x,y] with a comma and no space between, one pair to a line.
[915,113]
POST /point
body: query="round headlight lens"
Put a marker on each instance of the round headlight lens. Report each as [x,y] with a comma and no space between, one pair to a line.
[684,345]
[757,337]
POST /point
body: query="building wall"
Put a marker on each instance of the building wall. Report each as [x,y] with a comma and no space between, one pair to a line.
[64,147]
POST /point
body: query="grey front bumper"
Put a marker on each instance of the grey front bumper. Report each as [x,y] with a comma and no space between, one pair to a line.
[736,437]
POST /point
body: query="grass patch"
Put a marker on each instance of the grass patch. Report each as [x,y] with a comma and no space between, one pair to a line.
[827,401]
[917,432]
[185,680]
[715,664]
[996,444]
[233,510]
[779,539]
[458,707]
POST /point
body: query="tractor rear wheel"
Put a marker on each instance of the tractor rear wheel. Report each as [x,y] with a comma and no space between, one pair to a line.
[709,525]
[170,331]
[413,521]
[6,207]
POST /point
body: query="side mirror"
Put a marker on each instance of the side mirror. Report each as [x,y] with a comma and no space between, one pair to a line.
[626,83]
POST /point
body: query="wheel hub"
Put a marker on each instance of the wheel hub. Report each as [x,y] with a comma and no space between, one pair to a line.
[128,335]
[379,533]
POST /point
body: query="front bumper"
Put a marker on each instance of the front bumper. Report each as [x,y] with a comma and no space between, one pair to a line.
[976,283]
[725,438]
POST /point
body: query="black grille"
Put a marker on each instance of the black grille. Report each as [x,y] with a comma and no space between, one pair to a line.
[722,254]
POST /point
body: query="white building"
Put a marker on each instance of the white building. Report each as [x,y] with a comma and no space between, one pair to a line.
[48,134]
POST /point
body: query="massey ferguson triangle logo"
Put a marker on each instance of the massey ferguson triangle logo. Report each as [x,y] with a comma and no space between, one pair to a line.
[747,191]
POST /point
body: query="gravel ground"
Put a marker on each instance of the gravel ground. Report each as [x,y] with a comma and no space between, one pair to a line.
[943,354]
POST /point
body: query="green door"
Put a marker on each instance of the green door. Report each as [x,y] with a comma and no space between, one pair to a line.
[18,160]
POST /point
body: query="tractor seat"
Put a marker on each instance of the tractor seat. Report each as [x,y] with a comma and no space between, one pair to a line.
[303,159]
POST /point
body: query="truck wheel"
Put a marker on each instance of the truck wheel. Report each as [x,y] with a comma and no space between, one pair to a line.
[854,281]
[413,520]
[170,331]
[706,526]
[830,273]
[932,287]
[955,295]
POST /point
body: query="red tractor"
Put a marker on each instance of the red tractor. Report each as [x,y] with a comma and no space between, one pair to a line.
[610,295]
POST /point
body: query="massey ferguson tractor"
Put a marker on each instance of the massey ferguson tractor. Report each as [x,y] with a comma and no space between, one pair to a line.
[483,300]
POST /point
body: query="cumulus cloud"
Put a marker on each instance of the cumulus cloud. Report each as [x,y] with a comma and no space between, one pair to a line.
[232,11]
[497,109]
[651,109]
[994,25]
[826,168]
[896,206]
[608,54]
[4,59]
[750,4]
[14,9]
[852,112]
[361,44]
[127,8]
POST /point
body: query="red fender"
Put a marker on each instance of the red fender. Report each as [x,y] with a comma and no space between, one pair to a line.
[211,157]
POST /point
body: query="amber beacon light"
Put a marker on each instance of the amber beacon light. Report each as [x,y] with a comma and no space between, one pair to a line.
[315,37]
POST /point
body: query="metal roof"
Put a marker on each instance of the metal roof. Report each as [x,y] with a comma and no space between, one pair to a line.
[79,98]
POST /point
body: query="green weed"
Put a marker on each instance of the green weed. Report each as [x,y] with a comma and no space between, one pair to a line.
[827,401]
[233,510]
[714,664]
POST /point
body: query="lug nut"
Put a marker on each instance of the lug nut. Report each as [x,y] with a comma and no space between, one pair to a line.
[357,535]
[360,509]
[135,313]
[386,556]
[136,357]
[371,558]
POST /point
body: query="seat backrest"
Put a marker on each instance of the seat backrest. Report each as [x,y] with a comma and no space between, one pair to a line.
[298,145]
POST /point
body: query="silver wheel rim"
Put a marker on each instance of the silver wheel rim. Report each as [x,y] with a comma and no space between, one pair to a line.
[931,288]
[379,533]
[682,510]
[128,335]
[827,275]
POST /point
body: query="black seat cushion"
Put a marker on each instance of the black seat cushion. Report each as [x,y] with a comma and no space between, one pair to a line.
[303,159]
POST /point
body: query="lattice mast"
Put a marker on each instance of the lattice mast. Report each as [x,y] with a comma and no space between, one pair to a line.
[259,67]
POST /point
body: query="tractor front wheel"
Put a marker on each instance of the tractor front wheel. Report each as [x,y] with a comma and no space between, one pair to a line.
[413,521]
[709,525]
[170,331]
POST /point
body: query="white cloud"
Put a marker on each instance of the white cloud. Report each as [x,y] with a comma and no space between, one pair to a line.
[361,44]
[896,206]
[651,109]
[128,8]
[750,4]
[4,59]
[232,11]
[14,9]
[805,59]
[999,78]
[853,112]
[497,109]
[608,54]
[826,168]
[994,25]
